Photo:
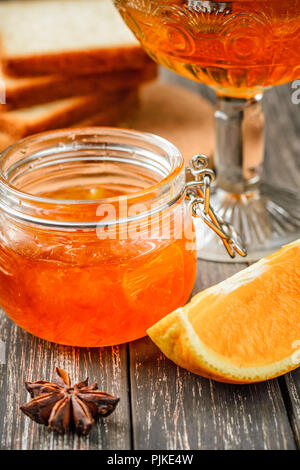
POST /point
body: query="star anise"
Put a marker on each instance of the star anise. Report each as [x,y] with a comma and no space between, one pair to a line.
[62,407]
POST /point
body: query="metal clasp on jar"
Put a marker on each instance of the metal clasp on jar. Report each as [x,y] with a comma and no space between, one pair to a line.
[198,186]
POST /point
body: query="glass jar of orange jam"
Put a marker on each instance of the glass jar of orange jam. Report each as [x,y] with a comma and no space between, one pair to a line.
[97,240]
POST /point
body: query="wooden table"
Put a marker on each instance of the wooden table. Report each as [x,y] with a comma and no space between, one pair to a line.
[163,406]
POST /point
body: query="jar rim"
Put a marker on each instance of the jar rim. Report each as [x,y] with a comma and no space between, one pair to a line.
[146,136]
[11,196]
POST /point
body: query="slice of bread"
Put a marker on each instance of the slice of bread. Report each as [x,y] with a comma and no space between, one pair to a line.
[25,92]
[179,115]
[111,116]
[57,114]
[64,36]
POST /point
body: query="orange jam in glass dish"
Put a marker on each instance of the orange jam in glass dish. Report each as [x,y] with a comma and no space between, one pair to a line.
[97,240]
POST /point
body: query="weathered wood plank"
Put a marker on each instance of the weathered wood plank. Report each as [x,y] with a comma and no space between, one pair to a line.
[292,383]
[28,358]
[173,409]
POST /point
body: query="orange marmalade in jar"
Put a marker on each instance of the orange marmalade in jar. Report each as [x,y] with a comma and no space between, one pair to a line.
[97,240]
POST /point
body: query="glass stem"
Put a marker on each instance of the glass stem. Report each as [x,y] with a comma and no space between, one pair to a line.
[239,152]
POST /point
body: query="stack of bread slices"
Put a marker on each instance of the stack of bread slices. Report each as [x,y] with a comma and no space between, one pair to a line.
[66,63]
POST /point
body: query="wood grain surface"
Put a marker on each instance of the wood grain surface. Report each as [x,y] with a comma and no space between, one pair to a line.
[163,406]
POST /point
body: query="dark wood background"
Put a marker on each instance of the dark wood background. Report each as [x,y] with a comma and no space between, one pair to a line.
[163,406]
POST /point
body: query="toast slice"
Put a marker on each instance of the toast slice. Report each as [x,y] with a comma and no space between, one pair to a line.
[66,37]
[26,92]
[112,116]
[57,114]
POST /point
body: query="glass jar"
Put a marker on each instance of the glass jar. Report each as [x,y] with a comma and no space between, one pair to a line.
[97,240]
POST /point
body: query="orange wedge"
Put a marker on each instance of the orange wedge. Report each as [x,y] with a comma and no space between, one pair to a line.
[245,329]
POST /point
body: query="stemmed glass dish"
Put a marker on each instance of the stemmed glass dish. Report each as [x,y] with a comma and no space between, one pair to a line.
[239,48]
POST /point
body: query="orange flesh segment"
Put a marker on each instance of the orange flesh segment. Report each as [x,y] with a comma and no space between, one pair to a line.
[255,323]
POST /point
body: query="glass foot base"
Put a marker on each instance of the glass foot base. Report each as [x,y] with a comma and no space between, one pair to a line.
[265,221]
